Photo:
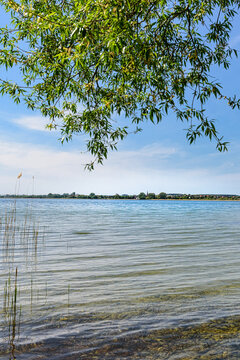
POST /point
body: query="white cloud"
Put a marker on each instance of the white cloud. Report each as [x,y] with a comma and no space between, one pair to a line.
[37,123]
[151,168]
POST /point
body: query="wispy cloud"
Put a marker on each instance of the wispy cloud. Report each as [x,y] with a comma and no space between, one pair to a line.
[38,159]
[37,123]
[235,41]
[152,150]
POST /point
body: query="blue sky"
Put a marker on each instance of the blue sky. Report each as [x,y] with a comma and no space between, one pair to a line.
[157,159]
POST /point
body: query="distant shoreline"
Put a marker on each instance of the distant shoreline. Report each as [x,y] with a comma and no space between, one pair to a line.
[112,198]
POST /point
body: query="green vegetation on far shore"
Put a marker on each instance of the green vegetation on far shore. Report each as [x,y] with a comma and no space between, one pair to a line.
[140,196]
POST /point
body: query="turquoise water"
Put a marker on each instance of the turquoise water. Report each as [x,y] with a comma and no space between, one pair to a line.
[116,279]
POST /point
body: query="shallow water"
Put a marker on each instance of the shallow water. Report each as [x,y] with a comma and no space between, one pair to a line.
[102,279]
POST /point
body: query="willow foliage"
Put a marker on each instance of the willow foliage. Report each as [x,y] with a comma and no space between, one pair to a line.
[83,62]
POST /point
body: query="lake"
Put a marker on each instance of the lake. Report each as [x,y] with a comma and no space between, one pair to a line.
[119,279]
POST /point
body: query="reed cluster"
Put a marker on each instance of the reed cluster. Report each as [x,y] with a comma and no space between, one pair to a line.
[19,240]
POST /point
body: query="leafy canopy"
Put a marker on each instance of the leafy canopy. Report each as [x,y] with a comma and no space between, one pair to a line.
[84,62]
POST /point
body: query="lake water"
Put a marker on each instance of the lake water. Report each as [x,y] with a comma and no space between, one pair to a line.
[116,279]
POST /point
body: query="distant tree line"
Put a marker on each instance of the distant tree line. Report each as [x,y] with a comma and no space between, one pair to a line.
[140,196]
